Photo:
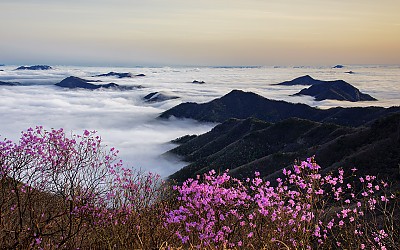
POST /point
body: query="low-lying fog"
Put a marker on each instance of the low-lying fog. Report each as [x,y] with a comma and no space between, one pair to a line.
[127,122]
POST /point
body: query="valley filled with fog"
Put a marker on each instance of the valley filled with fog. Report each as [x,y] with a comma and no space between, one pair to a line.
[127,122]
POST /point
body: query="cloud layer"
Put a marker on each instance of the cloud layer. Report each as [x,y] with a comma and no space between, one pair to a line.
[128,123]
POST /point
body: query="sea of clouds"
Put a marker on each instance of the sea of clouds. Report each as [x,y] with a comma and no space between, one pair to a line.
[127,122]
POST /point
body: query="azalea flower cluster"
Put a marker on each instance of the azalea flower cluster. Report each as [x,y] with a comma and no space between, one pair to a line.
[46,178]
[56,186]
[303,209]
[59,191]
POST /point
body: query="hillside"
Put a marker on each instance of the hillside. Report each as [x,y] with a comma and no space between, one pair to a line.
[245,146]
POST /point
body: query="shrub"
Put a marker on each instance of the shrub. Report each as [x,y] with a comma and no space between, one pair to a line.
[305,210]
[72,192]
[45,179]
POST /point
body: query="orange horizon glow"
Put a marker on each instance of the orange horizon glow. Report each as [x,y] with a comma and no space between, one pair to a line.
[218,32]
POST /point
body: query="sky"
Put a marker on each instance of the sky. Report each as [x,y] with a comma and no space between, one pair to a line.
[199,32]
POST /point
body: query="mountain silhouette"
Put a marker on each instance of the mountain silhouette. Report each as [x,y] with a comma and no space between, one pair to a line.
[249,145]
[335,90]
[73,82]
[241,105]
[34,67]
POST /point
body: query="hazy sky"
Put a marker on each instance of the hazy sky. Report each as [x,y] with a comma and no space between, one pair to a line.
[199,32]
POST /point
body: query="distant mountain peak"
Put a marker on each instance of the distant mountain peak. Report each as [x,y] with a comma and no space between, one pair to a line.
[237,92]
[302,80]
[335,90]
[34,67]
[305,77]
[339,66]
[119,75]
[73,82]
[159,97]
[9,83]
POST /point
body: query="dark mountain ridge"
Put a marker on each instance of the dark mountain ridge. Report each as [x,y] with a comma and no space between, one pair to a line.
[335,90]
[249,145]
[328,90]
[302,80]
[9,83]
[339,66]
[119,75]
[159,97]
[73,82]
[241,105]
[34,67]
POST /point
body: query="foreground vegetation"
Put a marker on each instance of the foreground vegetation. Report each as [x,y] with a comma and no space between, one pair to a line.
[59,191]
